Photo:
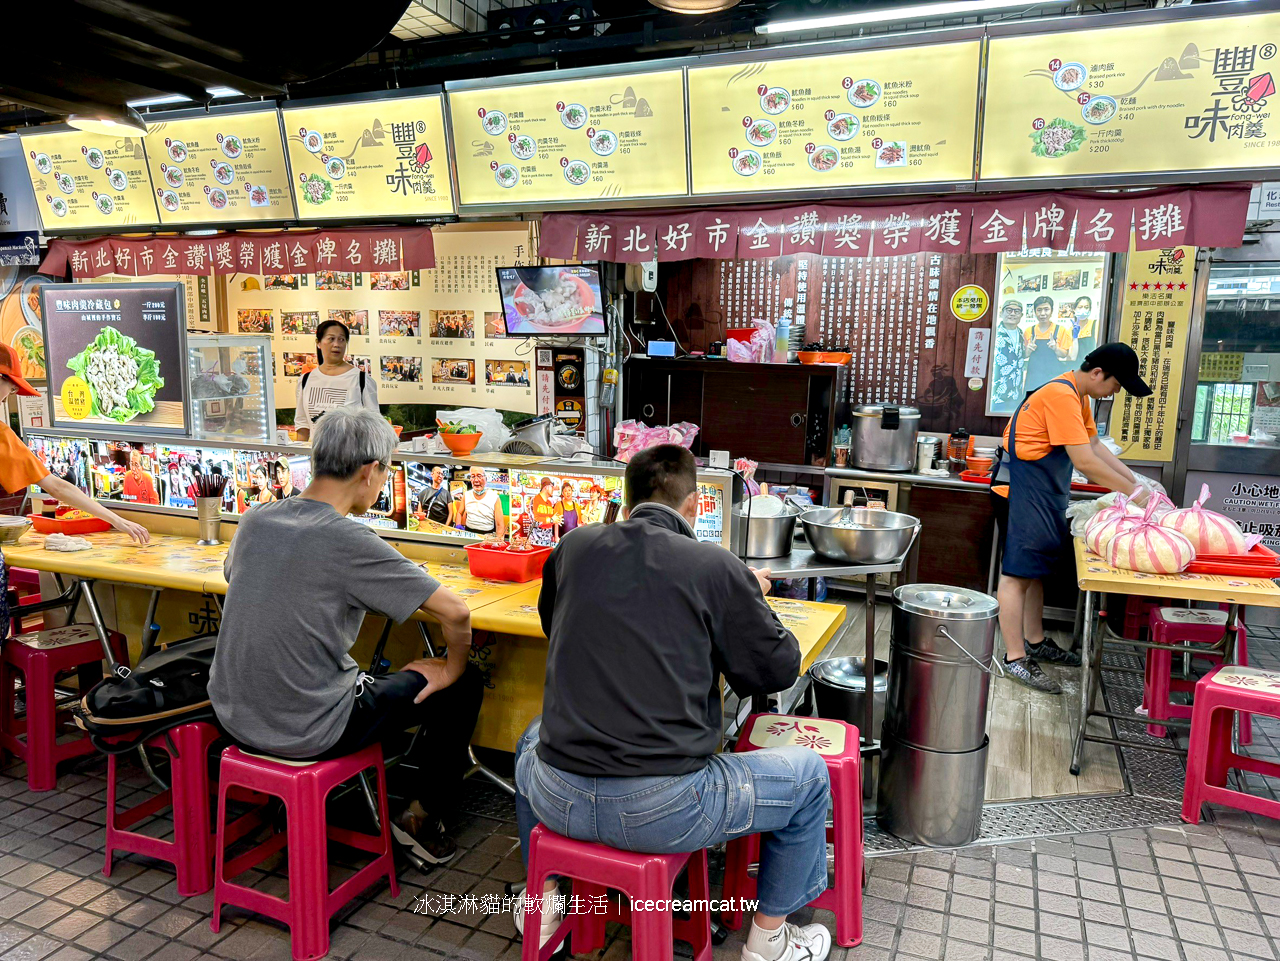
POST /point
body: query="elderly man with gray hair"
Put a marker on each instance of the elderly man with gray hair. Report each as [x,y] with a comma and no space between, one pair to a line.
[301,576]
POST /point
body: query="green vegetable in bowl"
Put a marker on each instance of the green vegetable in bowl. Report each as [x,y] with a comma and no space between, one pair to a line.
[123,378]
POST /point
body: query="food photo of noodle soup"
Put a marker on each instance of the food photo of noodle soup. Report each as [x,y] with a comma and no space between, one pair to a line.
[552,300]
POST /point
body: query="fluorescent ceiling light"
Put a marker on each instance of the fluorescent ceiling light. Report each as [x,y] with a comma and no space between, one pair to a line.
[109,123]
[895,14]
[214,92]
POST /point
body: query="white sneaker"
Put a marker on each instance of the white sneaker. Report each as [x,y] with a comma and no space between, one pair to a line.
[810,943]
[550,921]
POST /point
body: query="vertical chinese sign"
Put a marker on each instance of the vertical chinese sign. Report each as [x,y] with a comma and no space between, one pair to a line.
[1155,319]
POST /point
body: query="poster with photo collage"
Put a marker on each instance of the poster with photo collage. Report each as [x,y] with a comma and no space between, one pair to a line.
[426,337]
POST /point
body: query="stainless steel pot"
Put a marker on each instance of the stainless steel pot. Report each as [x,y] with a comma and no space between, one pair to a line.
[941,665]
[840,690]
[931,797]
[765,536]
[876,536]
[884,437]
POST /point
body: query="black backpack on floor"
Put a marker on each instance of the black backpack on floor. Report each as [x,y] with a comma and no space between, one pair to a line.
[167,688]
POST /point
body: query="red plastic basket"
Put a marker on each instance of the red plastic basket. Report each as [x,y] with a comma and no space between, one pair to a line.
[56,525]
[1262,561]
[497,563]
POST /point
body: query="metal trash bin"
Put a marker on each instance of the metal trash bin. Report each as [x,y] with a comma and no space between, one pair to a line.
[934,755]
[839,692]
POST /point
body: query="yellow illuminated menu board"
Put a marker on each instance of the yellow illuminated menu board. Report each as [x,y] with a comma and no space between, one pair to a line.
[223,168]
[875,117]
[383,158]
[1187,94]
[84,180]
[615,138]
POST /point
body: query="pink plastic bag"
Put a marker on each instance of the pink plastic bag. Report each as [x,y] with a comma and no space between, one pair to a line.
[1208,531]
[631,436]
[1149,548]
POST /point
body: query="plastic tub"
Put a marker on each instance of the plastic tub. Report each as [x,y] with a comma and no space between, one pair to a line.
[56,525]
[497,563]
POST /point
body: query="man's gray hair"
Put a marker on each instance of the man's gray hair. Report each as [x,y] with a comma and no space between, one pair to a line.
[348,438]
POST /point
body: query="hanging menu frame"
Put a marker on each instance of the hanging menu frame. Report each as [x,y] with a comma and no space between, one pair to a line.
[453,117]
[154,146]
[920,41]
[449,168]
[1232,9]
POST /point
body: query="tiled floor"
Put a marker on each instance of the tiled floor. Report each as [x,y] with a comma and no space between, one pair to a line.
[1074,887]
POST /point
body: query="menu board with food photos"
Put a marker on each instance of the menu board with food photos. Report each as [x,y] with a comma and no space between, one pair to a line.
[851,119]
[84,180]
[222,168]
[374,158]
[602,138]
[1191,93]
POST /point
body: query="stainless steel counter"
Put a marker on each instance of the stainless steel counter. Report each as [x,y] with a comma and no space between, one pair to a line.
[952,481]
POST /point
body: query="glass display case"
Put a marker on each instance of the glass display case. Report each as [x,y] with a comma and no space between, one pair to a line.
[231,380]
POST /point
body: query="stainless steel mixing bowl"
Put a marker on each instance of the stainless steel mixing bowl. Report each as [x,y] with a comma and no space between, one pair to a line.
[875,537]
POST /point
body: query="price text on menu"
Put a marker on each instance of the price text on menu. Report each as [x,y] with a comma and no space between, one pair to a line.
[224,169]
[1096,101]
[607,137]
[877,117]
[373,158]
[85,180]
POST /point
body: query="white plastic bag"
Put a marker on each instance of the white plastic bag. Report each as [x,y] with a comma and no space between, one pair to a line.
[486,420]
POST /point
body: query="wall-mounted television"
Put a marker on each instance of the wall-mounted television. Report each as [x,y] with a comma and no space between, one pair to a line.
[558,301]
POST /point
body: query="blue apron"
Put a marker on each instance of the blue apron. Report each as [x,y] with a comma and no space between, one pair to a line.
[1039,492]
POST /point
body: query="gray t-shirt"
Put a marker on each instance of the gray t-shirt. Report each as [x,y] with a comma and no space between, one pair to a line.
[301,579]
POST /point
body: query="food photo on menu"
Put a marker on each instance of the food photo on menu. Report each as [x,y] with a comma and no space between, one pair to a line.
[115,354]
[564,300]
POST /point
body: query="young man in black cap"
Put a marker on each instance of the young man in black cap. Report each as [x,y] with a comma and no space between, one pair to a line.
[1051,433]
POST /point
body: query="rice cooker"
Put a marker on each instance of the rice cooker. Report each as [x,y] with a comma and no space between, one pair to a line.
[884,437]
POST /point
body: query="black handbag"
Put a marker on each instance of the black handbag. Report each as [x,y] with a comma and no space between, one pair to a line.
[168,688]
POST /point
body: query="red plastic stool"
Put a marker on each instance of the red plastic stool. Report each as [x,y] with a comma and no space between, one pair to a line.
[594,869]
[191,850]
[1219,694]
[838,744]
[303,786]
[1177,625]
[40,657]
[1137,615]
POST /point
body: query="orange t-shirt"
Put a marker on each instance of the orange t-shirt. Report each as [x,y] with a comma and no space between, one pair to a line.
[18,466]
[1060,333]
[1055,416]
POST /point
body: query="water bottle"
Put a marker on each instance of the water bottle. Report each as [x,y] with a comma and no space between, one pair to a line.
[782,343]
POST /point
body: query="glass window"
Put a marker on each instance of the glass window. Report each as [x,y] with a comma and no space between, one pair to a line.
[1238,383]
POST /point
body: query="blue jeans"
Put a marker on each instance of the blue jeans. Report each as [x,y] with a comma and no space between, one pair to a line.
[780,794]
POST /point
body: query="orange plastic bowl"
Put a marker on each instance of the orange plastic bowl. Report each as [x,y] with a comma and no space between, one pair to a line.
[461,444]
[824,357]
